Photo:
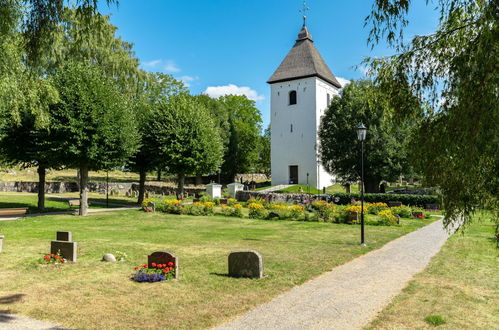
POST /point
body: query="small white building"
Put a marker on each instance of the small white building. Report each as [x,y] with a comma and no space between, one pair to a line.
[301,90]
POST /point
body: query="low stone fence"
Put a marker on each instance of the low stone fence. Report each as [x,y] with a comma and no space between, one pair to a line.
[99,187]
[244,196]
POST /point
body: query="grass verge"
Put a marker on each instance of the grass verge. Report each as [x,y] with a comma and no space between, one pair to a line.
[458,290]
[92,294]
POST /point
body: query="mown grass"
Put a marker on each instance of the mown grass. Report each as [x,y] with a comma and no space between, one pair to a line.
[92,294]
[54,204]
[458,290]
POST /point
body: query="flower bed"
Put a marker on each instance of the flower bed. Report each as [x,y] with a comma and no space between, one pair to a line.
[155,273]
[53,259]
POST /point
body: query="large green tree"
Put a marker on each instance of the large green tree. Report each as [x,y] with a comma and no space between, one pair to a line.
[94,124]
[263,164]
[187,138]
[155,91]
[385,156]
[455,71]
[244,123]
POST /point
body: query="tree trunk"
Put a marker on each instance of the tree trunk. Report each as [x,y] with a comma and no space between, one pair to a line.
[159,175]
[199,179]
[142,186]
[41,188]
[83,190]
[181,181]
[372,185]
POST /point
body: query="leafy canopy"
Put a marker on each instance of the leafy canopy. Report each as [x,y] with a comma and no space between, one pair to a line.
[454,71]
[385,155]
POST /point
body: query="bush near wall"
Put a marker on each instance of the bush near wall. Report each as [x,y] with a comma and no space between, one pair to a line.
[412,200]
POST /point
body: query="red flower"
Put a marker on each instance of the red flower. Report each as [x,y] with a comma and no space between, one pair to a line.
[57,257]
[497,236]
[153,264]
[144,266]
[62,259]
[165,271]
[46,257]
[136,268]
[52,255]
[170,263]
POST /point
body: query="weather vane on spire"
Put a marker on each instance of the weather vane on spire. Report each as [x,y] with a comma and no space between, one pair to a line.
[304,11]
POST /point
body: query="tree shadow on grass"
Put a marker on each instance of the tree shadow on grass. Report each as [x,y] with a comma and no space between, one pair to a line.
[11,299]
[5,316]
[220,274]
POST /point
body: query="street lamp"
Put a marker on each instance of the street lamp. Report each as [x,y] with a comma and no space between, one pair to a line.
[361,135]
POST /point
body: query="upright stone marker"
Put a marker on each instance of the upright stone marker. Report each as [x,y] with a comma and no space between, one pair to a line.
[234,188]
[214,190]
[65,236]
[65,245]
[163,257]
[245,264]
[1,242]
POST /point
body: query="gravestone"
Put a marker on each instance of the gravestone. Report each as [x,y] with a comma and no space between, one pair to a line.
[432,207]
[163,257]
[127,194]
[233,188]
[353,216]
[245,264]
[394,204]
[214,190]
[64,243]
[1,241]
[108,257]
[66,236]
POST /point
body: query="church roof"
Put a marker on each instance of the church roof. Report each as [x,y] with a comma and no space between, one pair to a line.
[303,60]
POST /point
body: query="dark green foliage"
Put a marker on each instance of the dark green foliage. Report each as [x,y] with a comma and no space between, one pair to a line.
[454,70]
[93,123]
[385,155]
[244,121]
[406,199]
[263,164]
[186,137]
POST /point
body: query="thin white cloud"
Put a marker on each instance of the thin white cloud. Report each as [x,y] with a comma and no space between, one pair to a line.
[152,64]
[163,65]
[231,89]
[170,66]
[187,80]
[343,82]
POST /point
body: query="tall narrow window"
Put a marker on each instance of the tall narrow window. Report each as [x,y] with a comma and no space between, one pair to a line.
[328,99]
[292,97]
[291,128]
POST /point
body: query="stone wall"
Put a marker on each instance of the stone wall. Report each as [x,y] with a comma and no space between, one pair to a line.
[244,196]
[100,187]
[250,177]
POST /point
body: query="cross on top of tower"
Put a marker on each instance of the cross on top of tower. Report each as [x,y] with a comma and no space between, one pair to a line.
[304,11]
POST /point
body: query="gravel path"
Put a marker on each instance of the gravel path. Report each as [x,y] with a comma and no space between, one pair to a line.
[351,295]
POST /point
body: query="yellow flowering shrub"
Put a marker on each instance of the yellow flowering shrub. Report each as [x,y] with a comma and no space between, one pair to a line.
[357,208]
[146,202]
[257,211]
[387,218]
[375,208]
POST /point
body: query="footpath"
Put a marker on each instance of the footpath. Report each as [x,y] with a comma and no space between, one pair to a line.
[351,295]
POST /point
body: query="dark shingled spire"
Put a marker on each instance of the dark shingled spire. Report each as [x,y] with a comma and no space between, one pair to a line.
[303,61]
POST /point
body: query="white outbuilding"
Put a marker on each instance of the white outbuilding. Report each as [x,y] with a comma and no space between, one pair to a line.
[301,89]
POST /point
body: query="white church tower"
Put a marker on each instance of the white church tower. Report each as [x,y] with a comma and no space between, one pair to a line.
[301,90]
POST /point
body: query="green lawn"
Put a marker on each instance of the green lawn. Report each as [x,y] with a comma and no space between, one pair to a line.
[460,286]
[304,189]
[93,294]
[53,204]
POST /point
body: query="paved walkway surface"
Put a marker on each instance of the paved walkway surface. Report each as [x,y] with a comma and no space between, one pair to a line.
[351,295]
[275,188]
[16,322]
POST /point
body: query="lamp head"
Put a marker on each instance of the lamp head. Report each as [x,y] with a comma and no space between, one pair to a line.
[361,132]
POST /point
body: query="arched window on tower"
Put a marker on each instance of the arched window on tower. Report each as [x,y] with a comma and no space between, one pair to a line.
[292,97]
[328,99]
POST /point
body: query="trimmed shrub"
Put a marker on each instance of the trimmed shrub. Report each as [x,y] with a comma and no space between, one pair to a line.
[406,199]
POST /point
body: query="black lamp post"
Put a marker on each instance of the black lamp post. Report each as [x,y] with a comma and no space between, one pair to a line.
[361,134]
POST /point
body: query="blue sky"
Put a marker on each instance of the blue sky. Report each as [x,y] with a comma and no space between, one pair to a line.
[222,46]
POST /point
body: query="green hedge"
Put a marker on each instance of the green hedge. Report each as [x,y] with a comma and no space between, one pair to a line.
[406,199]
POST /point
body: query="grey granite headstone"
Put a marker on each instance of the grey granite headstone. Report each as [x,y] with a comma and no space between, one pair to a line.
[67,249]
[245,264]
[108,257]
[163,257]
[65,236]
[1,241]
